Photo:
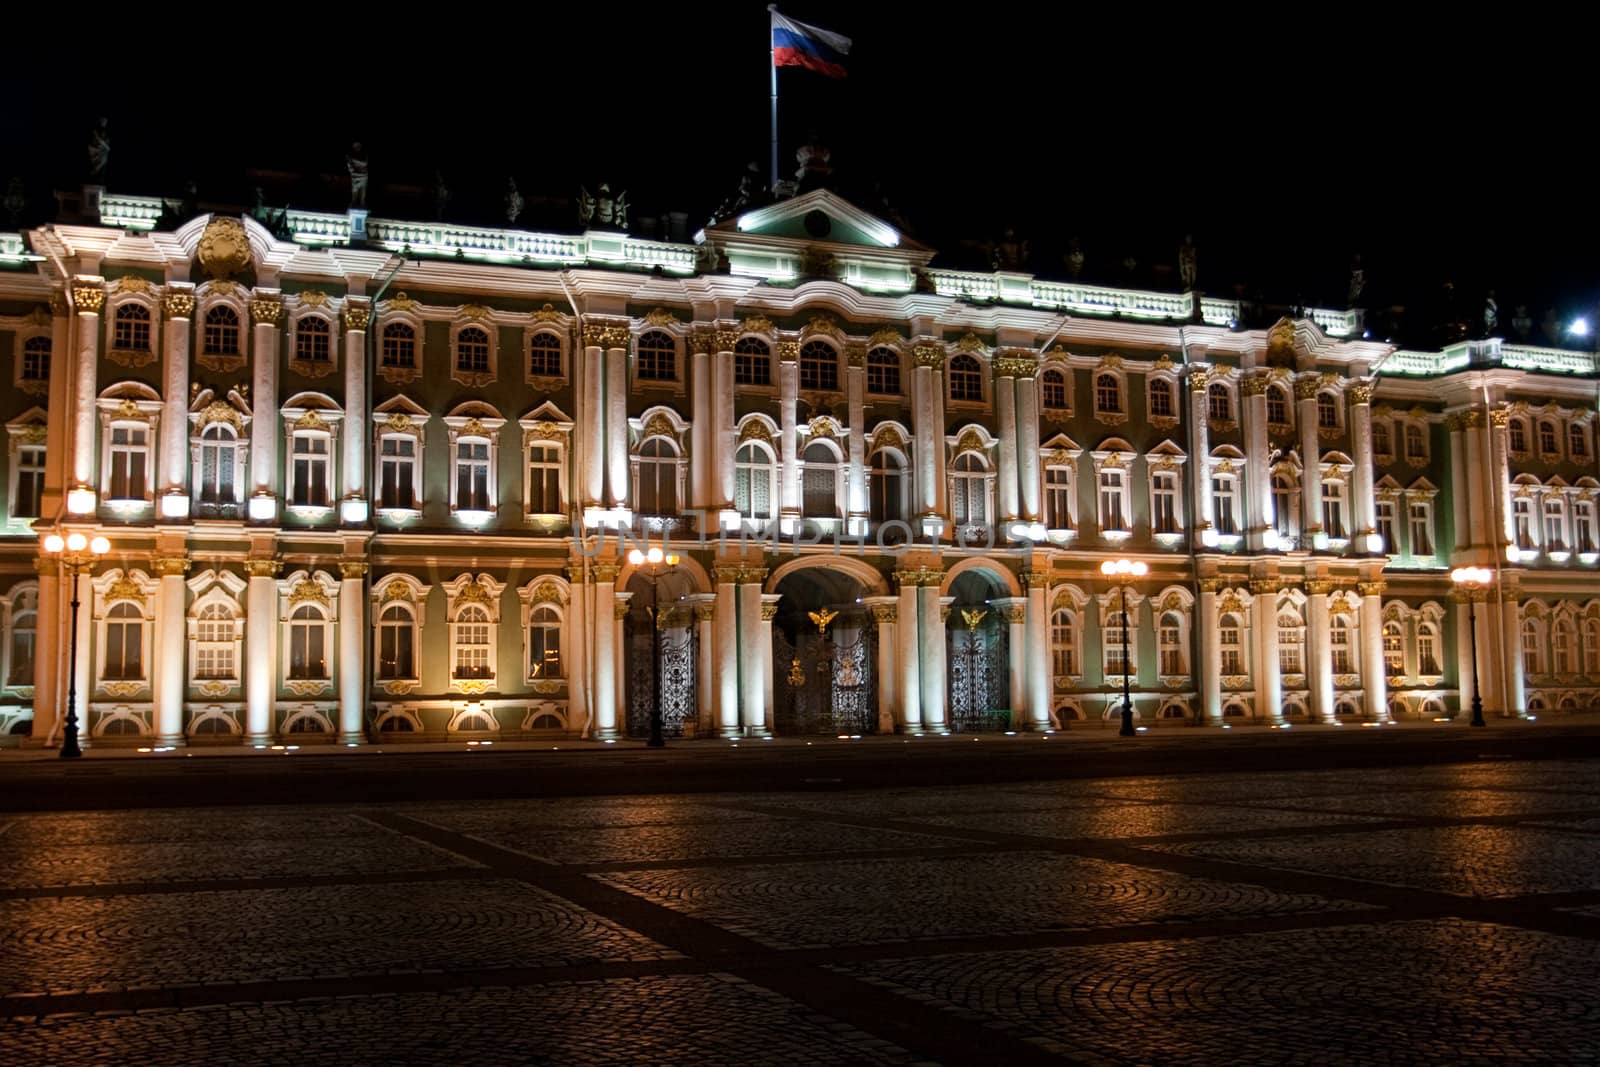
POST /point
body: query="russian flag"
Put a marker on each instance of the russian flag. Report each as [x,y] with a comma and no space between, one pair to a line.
[794,44]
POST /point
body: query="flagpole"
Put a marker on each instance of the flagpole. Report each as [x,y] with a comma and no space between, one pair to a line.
[772,64]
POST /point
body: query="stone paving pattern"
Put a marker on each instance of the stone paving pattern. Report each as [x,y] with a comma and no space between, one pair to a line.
[1447,914]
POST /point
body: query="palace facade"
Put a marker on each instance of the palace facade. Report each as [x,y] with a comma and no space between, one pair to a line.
[379,480]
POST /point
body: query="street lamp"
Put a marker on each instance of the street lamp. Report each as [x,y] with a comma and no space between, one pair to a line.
[1124,572]
[652,563]
[77,554]
[1472,581]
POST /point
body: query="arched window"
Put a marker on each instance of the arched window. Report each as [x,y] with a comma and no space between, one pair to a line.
[1161,405]
[1285,505]
[1328,410]
[36,359]
[1517,435]
[883,372]
[308,643]
[397,643]
[820,481]
[213,647]
[886,487]
[1577,441]
[124,652]
[1230,640]
[544,643]
[752,481]
[1382,441]
[472,351]
[658,477]
[1107,394]
[221,335]
[1219,403]
[969,503]
[1170,645]
[1532,648]
[752,362]
[472,632]
[966,378]
[1053,390]
[1549,442]
[1064,642]
[1564,646]
[24,635]
[1416,442]
[1291,649]
[544,355]
[1591,646]
[1277,405]
[1428,649]
[1394,650]
[819,366]
[1339,641]
[131,328]
[219,448]
[313,340]
[399,346]
[657,357]
[1114,633]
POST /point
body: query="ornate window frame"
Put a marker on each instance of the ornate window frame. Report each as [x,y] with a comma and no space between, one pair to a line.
[1416,423]
[206,411]
[320,590]
[1551,453]
[898,363]
[1164,378]
[1110,605]
[112,588]
[303,308]
[1586,520]
[1284,389]
[1178,601]
[1291,609]
[472,423]
[555,330]
[981,372]
[1518,425]
[129,404]
[237,299]
[29,430]
[131,291]
[1578,434]
[1101,381]
[464,591]
[22,601]
[1288,521]
[1167,460]
[1383,433]
[673,332]
[35,327]
[1337,470]
[659,422]
[410,594]
[399,418]
[210,589]
[396,374]
[311,415]
[1421,493]
[1114,457]
[540,596]
[1069,599]
[1227,466]
[1220,396]
[1060,453]
[547,426]
[757,432]
[474,317]
[757,351]
[1329,431]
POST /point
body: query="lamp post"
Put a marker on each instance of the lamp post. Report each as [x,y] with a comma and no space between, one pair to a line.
[77,554]
[1123,573]
[652,563]
[1472,581]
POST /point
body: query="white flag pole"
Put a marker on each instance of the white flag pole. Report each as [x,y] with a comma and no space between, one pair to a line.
[772,50]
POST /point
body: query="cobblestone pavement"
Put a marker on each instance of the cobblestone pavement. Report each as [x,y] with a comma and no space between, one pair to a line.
[1442,914]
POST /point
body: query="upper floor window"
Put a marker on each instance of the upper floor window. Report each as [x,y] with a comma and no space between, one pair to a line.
[544,355]
[657,357]
[399,346]
[886,487]
[1416,442]
[1382,440]
[313,340]
[1583,522]
[1169,643]
[1064,642]
[1328,410]
[753,481]
[1339,642]
[820,481]
[752,362]
[1277,405]
[1517,435]
[1230,641]
[36,359]
[1577,442]
[130,461]
[221,335]
[472,631]
[397,472]
[1219,403]
[1421,513]
[1555,523]
[1549,441]
[1161,405]
[310,471]
[1394,650]
[883,372]
[124,651]
[966,378]
[1290,635]
[1058,502]
[1053,390]
[970,500]
[131,328]
[474,491]
[544,642]
[1107,394]
[30,482]
[1285,505]
[1114,500]
[219,450]
[1225,502]
[1522,521]
[658,477]
[472,351]
[308,643]
[1427,649]
[544,479]
[819,366]
[1164,519]
[1116,641]
[1384,514]
[1334,494]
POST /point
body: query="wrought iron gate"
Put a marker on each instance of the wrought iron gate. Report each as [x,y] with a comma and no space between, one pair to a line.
[979,672]
[826,686]
[678,703]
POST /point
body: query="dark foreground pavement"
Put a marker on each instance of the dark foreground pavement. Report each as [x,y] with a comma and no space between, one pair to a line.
[1404,896]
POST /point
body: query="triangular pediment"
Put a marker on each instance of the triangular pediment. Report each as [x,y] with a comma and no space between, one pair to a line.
[821,216]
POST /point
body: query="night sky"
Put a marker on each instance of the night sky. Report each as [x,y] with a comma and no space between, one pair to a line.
[1284,144]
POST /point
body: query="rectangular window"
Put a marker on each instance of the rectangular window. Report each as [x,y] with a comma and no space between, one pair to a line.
[129,457]
[1113,507]
[1385,516]
[1224,501]
[30,482]
[1232,654]
[1340,642]
[1289,650]
[1577,442]
[1164,503]
[1421,529]
[1555,525]
[1058,498]
[214,649]
[1522,519]
[1333,509]
[544,479]
[397,474]
[472,476]
[311,481]
[1427,653]
[1161,399]
[1583,523]
[307,658]
[753,367]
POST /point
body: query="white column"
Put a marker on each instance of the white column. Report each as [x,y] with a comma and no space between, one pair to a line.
[702,460]
[169,678]
[1200,455]
[705,663]
[85,645]
[575,648]
[930,608]
[1041,679]
[591,416]
[261,645]
[727,648]
[266,310]
[929,437]
[619,662]
[883,613]
[48,698]
[1374,682]
[619,491]
[910,658]
[1028,445]
[1013,612]
[1005,395]
[88,296]
[603,613]
[175,404]
[769,608]
[856,486]
[941,483]
[1365,510]
[1464,654]
[756,663]
[1269,672]
[725,436]
[1305,391]
[1319,659]
[1210,653]
[1513,701]
[789,396]
[352,625]
[356,417]
[1458,477]
[1500,490]
[1258,509]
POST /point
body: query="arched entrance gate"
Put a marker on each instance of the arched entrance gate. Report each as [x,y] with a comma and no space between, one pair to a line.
[978,656]
[824,656]
[678,650]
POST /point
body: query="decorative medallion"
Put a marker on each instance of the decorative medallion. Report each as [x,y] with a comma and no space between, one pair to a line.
[661,317]
[546,593]
[473,427]
[398,591]
[477,312]
[308,592]
[220,412]
[129,409]
[124,588]
[969,441]
[132,283]
[970,342]
[756,324]
[658,425]
[473,593]
[224,248]
[545,430]
[401,302]
[314,298]
[400,422]
[311,421]
[888,437]
[885,336]
[547,314]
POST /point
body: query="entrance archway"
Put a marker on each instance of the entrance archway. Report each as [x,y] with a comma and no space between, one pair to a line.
[676,663]
[978,656]
[824,655]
